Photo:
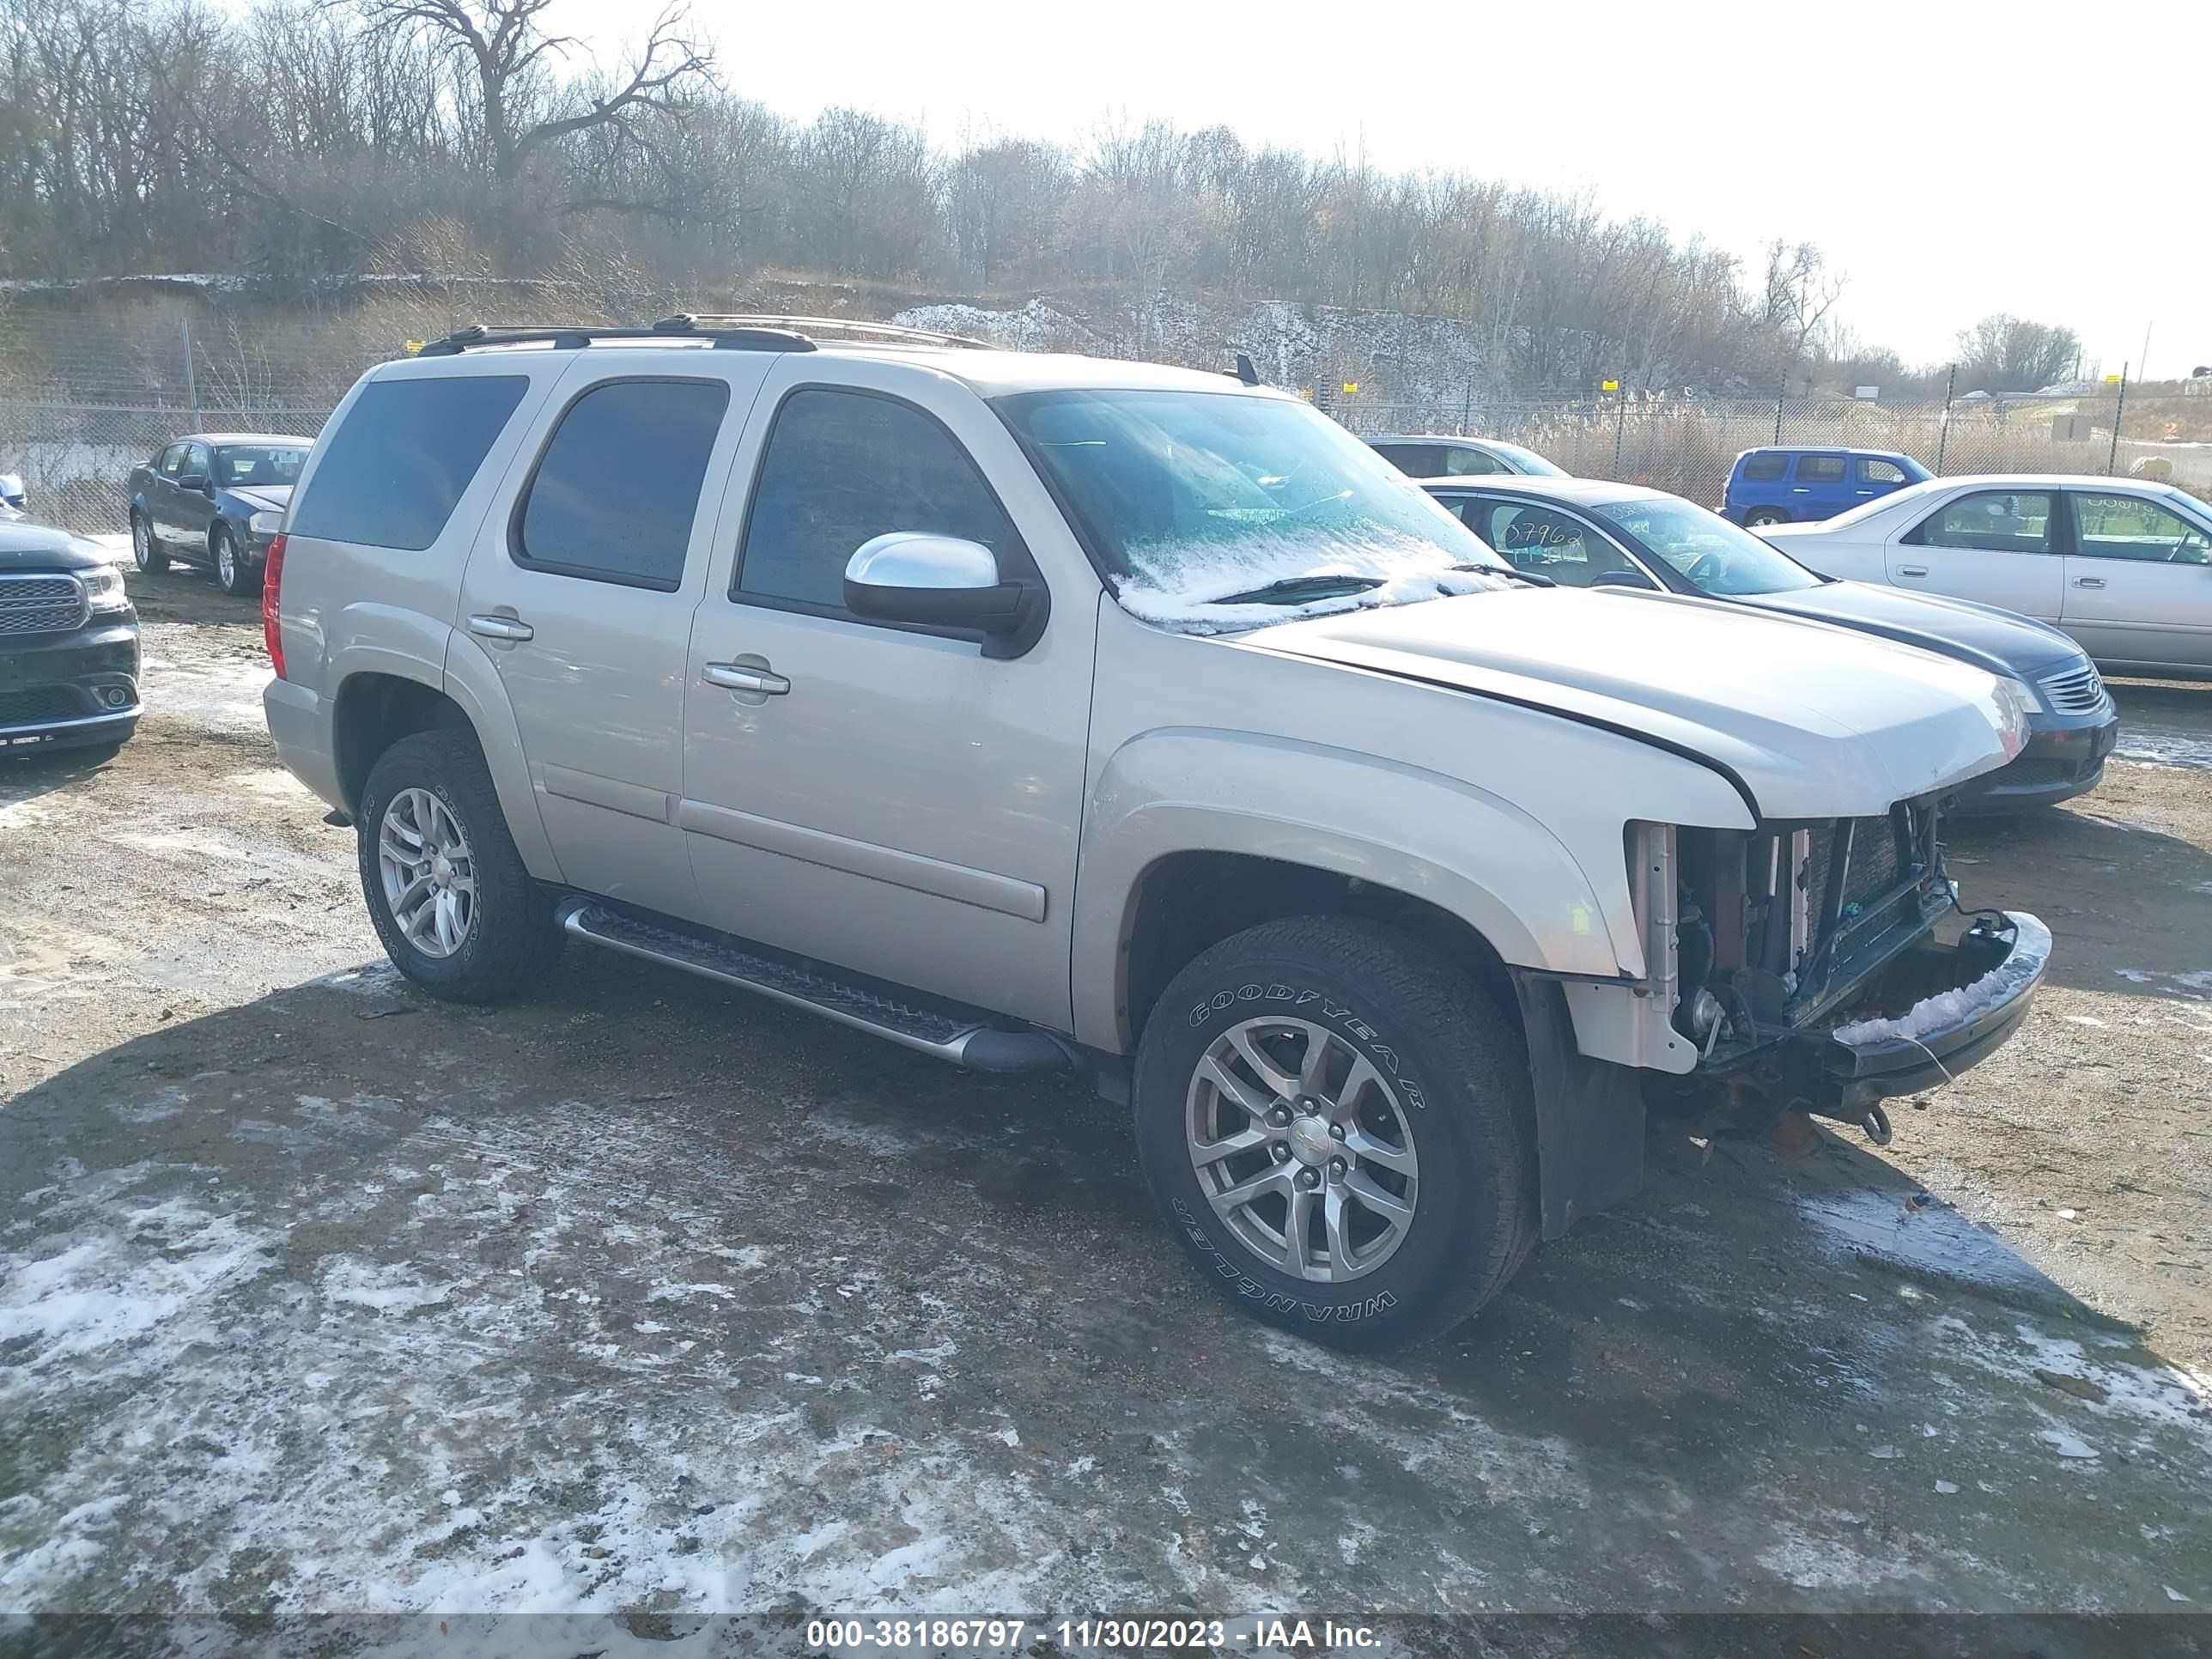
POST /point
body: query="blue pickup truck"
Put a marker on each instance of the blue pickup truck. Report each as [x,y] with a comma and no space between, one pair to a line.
[1780,484]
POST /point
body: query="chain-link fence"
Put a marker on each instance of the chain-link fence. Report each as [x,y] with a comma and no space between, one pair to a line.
[90,389]
[1687,446]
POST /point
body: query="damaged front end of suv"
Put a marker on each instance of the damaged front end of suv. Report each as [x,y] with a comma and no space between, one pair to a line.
[1824,965]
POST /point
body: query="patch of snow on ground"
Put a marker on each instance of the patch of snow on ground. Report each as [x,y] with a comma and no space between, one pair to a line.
[2160,745]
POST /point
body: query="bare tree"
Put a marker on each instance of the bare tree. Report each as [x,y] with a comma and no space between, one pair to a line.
[519,109]
[2001,354]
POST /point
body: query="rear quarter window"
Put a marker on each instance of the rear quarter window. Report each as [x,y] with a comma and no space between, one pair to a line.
[1763,469]
[394,470]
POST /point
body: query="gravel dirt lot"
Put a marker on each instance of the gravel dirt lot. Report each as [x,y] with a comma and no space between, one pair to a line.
[643,1297]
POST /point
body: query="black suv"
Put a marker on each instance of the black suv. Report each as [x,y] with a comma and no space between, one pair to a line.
[68,644]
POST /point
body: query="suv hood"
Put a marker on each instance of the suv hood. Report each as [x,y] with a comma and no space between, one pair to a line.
[27,546]
[2001,641]
[1811,720]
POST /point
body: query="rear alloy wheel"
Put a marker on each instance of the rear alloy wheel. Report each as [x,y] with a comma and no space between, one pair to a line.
[1335,1123]
[457,911]
[1764,516]
[233,574]
[147,556]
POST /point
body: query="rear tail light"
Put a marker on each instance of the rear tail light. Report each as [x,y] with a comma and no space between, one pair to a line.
[272,582]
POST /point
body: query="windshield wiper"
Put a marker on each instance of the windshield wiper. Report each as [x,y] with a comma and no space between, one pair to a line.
[1511,572]
[1290,590]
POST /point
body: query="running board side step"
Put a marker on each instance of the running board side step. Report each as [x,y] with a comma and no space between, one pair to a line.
[965,1039]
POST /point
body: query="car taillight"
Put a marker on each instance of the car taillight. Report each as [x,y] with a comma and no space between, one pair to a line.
[272,581]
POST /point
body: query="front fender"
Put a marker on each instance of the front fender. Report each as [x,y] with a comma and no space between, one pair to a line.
[1431,837]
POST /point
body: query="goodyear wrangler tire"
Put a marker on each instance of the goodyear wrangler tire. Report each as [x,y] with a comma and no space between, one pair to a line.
[1336,1125]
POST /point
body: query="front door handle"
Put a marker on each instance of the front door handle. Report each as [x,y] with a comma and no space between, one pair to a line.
[1913,570]
[502,628]
[737,677]
[2089,582]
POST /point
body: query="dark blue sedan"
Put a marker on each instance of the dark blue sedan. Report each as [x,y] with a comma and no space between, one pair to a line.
[214,499]
[1583,533]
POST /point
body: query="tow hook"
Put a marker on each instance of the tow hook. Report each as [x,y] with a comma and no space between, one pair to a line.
[1876,1122]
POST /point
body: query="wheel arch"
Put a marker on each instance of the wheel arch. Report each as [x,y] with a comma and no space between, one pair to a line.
[1187,901]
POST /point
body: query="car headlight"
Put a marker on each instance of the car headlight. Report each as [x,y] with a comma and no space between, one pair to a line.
[103,589]
[2016,704]
[266,523]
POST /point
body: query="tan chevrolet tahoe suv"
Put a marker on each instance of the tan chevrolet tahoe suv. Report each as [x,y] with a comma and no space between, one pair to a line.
[1044,712]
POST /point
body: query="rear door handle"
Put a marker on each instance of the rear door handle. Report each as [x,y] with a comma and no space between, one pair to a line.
[2089,582]
[736,677]
[502,628]
[1913,570]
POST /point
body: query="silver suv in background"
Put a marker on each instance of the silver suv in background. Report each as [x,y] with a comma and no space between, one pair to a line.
[1042,712]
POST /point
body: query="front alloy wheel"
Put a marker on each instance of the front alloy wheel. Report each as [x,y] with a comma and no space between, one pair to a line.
[430,879]
[1335,1123]
[1303,1149]
[232,574]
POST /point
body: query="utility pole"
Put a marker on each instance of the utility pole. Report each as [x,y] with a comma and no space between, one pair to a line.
[191,383]
[2119,410]
[1943,425]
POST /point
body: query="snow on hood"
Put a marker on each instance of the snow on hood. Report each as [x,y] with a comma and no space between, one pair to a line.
[1817,720]
[1182,586]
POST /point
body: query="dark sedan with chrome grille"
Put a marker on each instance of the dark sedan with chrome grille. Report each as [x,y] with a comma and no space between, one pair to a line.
[68,644]
[1581,532]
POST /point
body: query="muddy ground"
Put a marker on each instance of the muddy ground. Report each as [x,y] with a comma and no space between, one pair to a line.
[317,1296]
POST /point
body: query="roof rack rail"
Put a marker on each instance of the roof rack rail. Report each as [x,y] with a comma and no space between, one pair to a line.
[842,325]
[576,336]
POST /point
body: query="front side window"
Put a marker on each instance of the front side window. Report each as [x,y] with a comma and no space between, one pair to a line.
[196,461]
[259,466]
[843,468]
[1546,542]
[2130,527]
[1988,521]
[1765,469]
[1213,511]
[615,491]
[1716,557]
[395,469]
[1469,464]
[1821,469]
[1880,472]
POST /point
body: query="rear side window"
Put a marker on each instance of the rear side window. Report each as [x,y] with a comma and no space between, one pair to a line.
[843,468]
[1414,460]
[614,493]
[1763,469]
[172,460]
[407,449]
[1821,469]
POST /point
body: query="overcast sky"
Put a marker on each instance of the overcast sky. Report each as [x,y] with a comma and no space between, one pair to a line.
[1952,157]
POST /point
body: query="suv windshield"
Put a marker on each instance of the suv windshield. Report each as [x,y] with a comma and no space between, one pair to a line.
[1716,556]
[250,466]
[1212,512]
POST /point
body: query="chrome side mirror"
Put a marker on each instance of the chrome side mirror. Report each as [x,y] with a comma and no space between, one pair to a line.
[939,581]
